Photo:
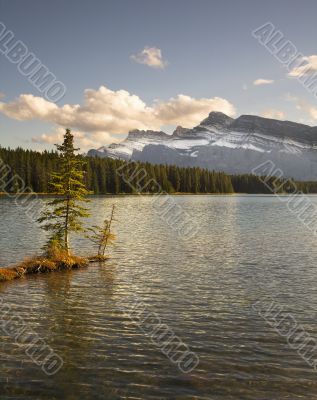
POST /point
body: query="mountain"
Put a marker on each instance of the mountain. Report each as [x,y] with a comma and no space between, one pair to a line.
[221,143]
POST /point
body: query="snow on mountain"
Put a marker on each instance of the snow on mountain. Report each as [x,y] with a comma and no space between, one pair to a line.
[225,144]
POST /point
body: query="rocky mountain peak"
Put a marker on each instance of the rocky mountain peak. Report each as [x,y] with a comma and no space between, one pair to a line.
[180,131]
[217,119]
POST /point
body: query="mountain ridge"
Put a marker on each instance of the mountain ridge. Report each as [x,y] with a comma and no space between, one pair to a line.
[222,143]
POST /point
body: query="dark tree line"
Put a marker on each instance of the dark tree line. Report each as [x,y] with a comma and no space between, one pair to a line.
[35,169]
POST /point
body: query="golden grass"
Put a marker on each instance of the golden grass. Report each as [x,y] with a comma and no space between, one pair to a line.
[8,274]
[57,260]
[98,258]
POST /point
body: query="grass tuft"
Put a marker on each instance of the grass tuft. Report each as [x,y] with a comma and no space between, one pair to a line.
[98,258]
[55,260]
[8,274]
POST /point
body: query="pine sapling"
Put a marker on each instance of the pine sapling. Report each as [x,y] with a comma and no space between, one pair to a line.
[102,236]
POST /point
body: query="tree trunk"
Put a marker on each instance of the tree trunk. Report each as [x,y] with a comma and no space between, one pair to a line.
[100,250]
[66,239]
[108,229]
[67,242]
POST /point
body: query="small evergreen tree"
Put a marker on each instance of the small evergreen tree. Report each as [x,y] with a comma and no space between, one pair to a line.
[65,212]
[102,236]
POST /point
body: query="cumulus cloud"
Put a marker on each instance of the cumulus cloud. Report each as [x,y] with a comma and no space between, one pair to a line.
[307,66]
[28,107]
[150,56]
[105,113]
[102,110]
[187,111]
[273,114]
[261,81]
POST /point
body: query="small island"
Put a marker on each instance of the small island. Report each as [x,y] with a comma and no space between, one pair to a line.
[63,216]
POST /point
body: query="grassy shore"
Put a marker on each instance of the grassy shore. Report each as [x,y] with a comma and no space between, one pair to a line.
[59,261]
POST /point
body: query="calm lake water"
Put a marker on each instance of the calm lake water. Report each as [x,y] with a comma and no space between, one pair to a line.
[248,248]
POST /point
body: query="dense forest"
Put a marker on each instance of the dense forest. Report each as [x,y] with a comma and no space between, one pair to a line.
[101,177]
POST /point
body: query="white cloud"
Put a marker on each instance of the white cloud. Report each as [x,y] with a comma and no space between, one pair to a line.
[187,111]
[307,108]
[84,140]
[313,112]
[273,114]
[105,113]
[303,106]
[102,110]
[261,81]
[28,107]
[150,56]
[307,66]
[51,138]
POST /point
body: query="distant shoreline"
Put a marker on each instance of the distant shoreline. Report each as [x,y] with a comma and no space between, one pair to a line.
[2,194]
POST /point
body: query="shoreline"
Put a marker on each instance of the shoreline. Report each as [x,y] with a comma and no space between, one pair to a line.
[12,195]
[45,265]
[124,194]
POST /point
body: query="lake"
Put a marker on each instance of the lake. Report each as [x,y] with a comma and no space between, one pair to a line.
[247,249]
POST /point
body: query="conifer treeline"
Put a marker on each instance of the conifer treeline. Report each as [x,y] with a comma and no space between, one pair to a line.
[101,177]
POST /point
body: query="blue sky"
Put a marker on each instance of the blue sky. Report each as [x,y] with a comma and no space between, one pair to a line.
[205,47]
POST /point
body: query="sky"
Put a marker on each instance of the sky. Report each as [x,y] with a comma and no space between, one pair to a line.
[118,65]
